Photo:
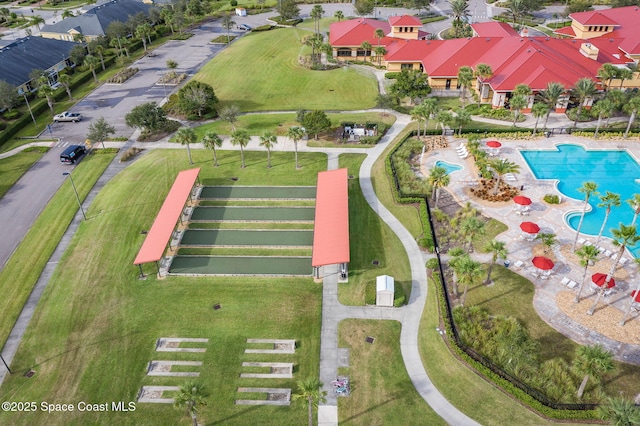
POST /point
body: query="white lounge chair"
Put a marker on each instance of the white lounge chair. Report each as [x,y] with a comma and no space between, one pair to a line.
[518,264]
[607,253]
[623,261]
[588,243]
[463,155]
[565,281]
[534,274]
[572,284]
[600,249]
[581,241]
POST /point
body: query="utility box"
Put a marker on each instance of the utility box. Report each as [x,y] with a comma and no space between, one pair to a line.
[241,11]
[385,289]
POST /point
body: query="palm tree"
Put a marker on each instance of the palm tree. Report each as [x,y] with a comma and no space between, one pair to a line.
[142,32]
[211,141]
[603,108]
[517,9]
[634,202]
[459,8]
[65,80]
[92,62]
[623,237]
[295,133]
[227,24]
[37,20]
[240,137]
[167,17]
[631,107]
[46,91]
[619,412]
[548,240]
[380,51]
[501,167]
[339,15]
[429,108]
[316,13]
[186,136]
[379,34]
[366,46]
[607,72]
[482,72]
[592,361]
[462,118]
[587,255]
[418,115]
[608,200]
[517,102]
[444,118]
[268,140]
[588,189]
[99,50]
[190,396]
[471,228]
[67,13]
[498,250]
[230,115]
[583,89]
[624,74]
[438,178]
[310,394]
[539,110]
[468,272]
[455,255]
[550,96]
[465,77]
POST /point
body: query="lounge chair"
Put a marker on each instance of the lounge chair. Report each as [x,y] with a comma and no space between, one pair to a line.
[518,264]
[588,243]
[623,261]
[572,284]
[607,253]
[565,281]
[534,274]
[581,241]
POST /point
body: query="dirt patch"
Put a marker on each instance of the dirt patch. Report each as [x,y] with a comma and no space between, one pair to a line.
[280,370]
[538,250]
[604,320]
[603,264]
[277,397]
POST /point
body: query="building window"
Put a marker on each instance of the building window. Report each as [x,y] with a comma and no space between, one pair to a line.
[400,29]
[344,52]
[406,66]
[410,29]
[363,52]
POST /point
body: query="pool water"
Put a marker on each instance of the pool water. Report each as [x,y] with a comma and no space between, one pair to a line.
[450,168]
[571,165]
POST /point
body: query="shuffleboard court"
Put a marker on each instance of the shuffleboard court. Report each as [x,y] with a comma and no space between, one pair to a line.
[259,192]
[270,214]
[241,265]
[248,237]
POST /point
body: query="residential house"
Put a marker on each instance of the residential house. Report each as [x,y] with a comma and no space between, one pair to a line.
[20,57]
[94,22]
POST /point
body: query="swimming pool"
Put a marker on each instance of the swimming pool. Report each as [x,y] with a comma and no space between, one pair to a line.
[572,165]
[450,168]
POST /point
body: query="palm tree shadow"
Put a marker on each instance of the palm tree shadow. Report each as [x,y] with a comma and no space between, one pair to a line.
[375,407]
[240,413]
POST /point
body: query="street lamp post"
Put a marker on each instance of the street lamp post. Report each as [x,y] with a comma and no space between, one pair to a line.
[75,191]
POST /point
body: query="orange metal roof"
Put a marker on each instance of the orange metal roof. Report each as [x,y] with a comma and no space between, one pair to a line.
[160,232]
[331,229]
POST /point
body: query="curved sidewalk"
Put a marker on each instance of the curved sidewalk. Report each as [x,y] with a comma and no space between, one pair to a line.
[333,312]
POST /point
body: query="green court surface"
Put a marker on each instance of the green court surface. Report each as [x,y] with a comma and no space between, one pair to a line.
[253,213]
[253,237]
[241,265]
[259,192]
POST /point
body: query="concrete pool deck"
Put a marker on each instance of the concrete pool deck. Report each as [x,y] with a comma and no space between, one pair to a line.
[550,218]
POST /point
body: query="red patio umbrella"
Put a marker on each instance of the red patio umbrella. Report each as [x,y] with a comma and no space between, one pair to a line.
[543,263]
[636,297]
[522,200]
[599,279]
[494,144]
[529,227]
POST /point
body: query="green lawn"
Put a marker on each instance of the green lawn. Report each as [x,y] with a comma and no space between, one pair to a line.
[95,329]
[381,391]
[257,124]
[12,168]
[23,268]
[261,72]
[370,239]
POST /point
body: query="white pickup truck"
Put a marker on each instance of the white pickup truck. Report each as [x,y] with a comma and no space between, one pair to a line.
[67,116]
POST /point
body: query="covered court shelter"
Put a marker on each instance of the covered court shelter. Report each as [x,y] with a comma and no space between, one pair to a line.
[331,229]
[159,236]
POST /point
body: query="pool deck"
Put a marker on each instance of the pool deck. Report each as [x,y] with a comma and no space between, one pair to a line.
[550,219]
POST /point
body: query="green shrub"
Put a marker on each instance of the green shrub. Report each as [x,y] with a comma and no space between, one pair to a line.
[233,3]
[42,149]
[266,27]
[130,153]
[391,75]
[399,297]
[11,115]
[585,114]
[551,199]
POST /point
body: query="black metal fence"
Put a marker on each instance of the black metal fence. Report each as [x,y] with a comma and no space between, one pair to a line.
[448,314]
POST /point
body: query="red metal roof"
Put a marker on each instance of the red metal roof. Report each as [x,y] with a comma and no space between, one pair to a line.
[493,29]
[592,17]
[160,232]
[331,229]
[404,21]
[355,31]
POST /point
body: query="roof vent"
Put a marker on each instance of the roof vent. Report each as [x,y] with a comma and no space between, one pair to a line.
[521,39]
[546,38]
[528,50]
[428,42]
[573,41]
[488,39]
[610,40]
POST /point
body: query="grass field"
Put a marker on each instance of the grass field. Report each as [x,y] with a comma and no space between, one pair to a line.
[370,239]
[381,391]
[12,168]
[260,72]
[95,329]
[257,124]
[30,257]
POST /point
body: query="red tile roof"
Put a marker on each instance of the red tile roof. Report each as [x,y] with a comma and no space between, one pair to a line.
[404,21]
[494,29]
[593,17]
[565,31]
[355,31]
[331,228]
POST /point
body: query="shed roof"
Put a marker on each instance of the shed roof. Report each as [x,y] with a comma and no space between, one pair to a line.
[331,229]
[160,232]
[385,283]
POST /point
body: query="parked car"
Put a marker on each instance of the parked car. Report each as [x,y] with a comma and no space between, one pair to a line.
[244,27]
[72,154]
[67,116]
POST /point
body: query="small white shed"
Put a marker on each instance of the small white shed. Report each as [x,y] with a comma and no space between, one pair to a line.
[241,11]
[385,289]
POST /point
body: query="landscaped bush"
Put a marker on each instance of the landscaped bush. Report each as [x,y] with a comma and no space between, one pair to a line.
[11,115]
[129,154]
[607,134]
[266,27]
[399,297]
[123,75]
[223,39]
[391,75]
[551,199]
[585,114]
[501,114]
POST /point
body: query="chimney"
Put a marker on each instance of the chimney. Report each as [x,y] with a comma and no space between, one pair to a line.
[589,50]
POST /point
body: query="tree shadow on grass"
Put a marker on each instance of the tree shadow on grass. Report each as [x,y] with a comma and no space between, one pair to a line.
[371,409]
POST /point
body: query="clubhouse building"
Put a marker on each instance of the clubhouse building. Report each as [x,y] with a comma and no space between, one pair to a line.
[594,38]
